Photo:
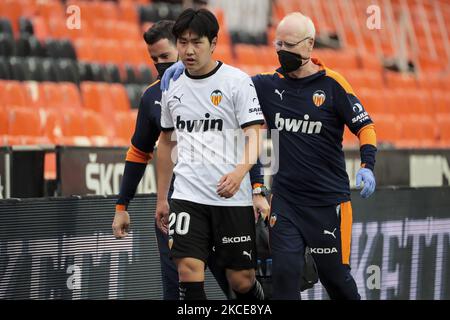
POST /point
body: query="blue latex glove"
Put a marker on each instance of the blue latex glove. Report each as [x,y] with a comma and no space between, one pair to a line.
[365,175]
[174,72]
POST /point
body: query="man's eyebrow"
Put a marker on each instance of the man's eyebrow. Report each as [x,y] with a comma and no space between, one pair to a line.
[192,39]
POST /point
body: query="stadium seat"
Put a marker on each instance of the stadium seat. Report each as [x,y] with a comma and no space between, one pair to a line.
[50,70]
[97,97]
[72,96]
[67,49]
[401,81]
[85,71]
[73,126]
[40,28]
[5,69]
[53,95]
[417,133]
[25,27]
[84,50]
[269,56]
[23,48]
[33,68]
[136,52]
[2,93]
[374,79]
[51,123]
[24,122]
[125,31]
[129,12]
[441,102]
[58,29]
[119,98]
[69,71]
[224,38]
[6,27]
[4,123]
[53,49]
[106,51]
[99,73]
[134,93]
[444,131]
[387,130]
[246,54]
[7,45]
[130,74]
[125,123]
[50,9]
[223,53]
[36,94]
[19,72]
[107,10]
[14,95]
[94,124]
[113,73]
[12,10]
[145,75]
[372,100]
[91,96]
[430,65]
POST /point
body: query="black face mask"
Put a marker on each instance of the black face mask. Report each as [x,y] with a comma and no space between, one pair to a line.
[290,61]
[162,67]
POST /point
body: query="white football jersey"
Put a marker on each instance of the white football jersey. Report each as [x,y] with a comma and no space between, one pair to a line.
[207,114]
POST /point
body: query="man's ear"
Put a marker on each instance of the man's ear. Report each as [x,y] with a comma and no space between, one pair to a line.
[213,44]
[311,44]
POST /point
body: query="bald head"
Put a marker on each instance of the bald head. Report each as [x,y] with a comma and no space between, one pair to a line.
[295,26]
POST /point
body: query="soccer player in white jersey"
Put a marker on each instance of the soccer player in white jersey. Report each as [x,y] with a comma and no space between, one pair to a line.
[210,107]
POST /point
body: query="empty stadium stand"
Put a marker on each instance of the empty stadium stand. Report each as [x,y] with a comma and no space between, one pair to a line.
[58,84]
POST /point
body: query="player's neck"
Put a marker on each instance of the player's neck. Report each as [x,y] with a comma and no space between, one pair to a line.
[308,69]
[207,68]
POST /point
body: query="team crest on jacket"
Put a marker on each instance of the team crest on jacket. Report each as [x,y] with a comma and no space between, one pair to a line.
[216,97]
[319,98]
[170,242]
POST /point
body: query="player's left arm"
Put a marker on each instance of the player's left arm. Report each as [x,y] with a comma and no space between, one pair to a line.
[259,190]
[249,116]
[230,183]
[358,120]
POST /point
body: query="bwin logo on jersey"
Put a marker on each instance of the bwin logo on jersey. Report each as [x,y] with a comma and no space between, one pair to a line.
[296,125]
[216,97]
[199,125]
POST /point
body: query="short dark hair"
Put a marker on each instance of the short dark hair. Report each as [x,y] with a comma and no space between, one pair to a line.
[202,22]
[160,30]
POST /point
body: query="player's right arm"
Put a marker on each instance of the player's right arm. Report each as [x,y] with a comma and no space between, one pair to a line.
[164,166]
[249,116]
[164,170]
